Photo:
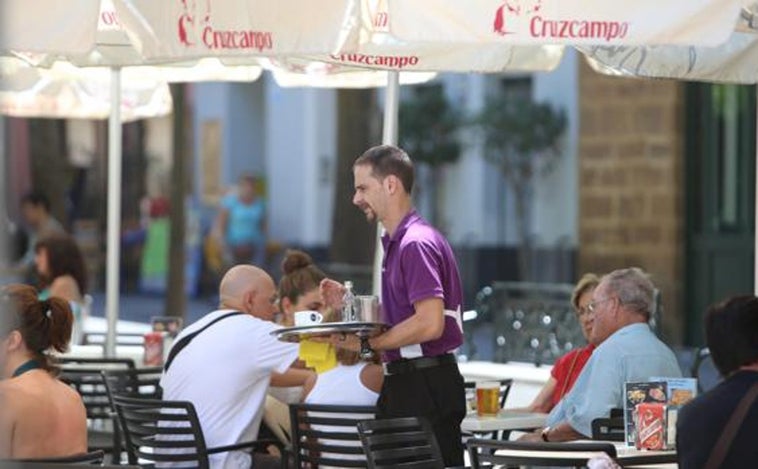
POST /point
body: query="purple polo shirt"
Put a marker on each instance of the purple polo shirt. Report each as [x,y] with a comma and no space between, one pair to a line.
[419,264]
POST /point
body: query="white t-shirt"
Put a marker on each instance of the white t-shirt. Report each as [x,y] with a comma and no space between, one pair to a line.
[225,372]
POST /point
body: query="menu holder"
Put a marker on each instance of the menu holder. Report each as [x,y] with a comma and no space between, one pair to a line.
[661,396]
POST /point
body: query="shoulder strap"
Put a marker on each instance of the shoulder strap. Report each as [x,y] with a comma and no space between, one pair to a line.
[564,388]
[184,341]
[720,450]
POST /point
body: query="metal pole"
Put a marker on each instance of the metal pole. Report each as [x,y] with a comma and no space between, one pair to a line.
[114,213]
[755,221]
[389,137]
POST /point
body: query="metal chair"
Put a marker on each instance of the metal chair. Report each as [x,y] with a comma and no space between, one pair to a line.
[137,382]
[102,427]
[160,432]
[488,453]
[328,434]
[94,458]
[96,363]
[400,442]
[608,429]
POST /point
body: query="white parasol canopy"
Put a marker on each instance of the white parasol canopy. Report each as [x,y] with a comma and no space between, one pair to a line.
[65,91]
[569,22]
[97,40]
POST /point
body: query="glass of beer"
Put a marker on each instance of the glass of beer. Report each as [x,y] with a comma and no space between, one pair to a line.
[487,398]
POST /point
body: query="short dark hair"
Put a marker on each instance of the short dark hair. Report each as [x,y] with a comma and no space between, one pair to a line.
[386,160]
[731,332]
[37,199]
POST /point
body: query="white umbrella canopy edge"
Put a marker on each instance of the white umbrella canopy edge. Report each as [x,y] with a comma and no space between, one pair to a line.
[57,27]
[570,22]
[733,62]
[79,99]
[183,29]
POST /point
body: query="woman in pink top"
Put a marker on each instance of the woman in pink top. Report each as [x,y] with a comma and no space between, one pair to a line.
[567,368]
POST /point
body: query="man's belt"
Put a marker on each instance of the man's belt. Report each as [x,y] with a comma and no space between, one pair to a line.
[410,365]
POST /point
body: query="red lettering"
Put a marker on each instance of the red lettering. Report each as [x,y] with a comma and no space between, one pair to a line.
[109,18]
[571,29]
[237,39]
[387,61]
[381,19]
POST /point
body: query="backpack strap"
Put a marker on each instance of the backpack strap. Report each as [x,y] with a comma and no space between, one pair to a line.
[721,449]
[184,341]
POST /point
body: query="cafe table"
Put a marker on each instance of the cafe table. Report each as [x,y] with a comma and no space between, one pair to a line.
[631,456]
[506,420]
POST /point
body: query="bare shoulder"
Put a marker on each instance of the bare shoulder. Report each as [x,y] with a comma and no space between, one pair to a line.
[66,287]
[12,397]
[372,376]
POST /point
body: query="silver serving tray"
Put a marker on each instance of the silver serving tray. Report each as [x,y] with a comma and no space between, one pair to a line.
[298,333]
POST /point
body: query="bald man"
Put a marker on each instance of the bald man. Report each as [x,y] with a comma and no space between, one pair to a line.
[226,369]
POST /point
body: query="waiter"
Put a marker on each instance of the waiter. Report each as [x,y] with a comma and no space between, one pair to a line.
[422,299]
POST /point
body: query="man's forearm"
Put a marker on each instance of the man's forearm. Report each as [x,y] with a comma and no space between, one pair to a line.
[564,432]
[413,330]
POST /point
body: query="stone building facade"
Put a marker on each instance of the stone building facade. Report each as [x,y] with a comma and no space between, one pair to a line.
[631,188]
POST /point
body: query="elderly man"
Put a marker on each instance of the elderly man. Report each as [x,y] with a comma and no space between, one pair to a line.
[628,351]
[226,368]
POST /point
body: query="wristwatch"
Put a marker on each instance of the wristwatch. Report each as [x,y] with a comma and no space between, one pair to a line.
[544,433]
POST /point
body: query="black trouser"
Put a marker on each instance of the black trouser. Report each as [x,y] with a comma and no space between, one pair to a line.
[434,393]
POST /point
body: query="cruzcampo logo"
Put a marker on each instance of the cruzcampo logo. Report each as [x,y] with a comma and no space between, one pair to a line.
[510,10]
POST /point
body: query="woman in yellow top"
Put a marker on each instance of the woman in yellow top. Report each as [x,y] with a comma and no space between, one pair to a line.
[299,291]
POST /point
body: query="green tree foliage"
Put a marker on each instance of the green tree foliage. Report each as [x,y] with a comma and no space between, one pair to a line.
[428,126]
[521,138]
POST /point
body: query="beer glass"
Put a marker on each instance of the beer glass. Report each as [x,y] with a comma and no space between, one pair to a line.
[487,398]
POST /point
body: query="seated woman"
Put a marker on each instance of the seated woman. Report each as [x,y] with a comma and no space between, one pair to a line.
[41,417]
[350,383]
[299,291]
[567,368]
[60,266]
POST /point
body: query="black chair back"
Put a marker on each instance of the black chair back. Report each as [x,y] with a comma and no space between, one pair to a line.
[94,458]
[400,442]
[608,429]
[487,453]
[102,426]
[161,432]
[328,435]
[137,382]
[96,363]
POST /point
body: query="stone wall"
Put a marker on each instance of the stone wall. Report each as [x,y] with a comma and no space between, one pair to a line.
[631,183]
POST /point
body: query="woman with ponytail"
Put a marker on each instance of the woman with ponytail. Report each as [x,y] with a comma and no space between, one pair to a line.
[41,416]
